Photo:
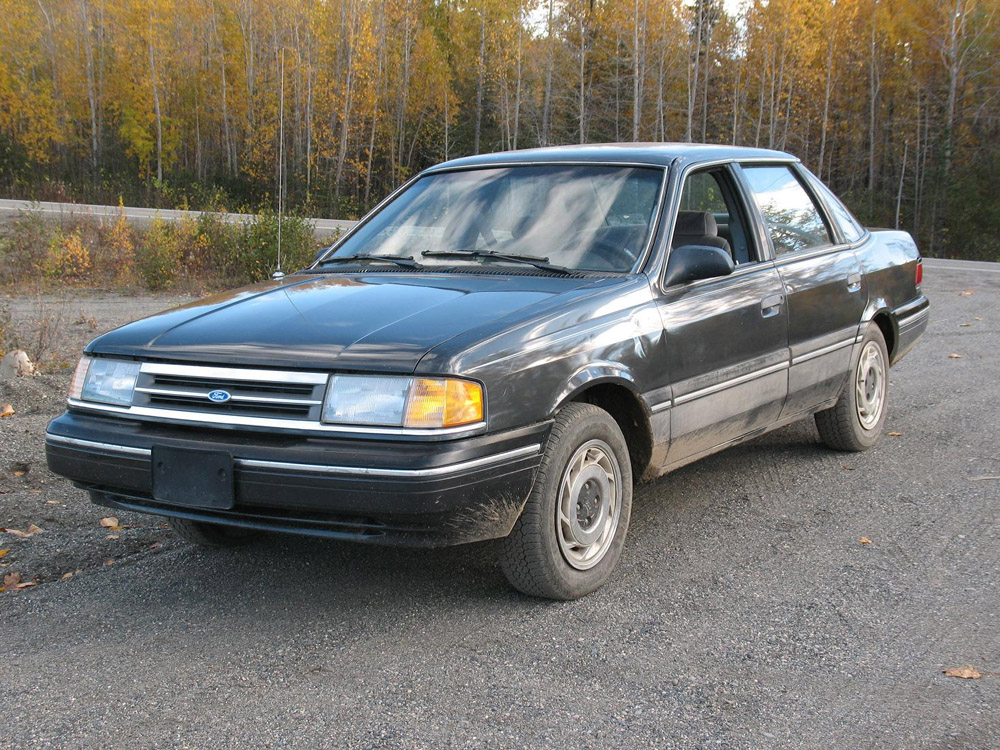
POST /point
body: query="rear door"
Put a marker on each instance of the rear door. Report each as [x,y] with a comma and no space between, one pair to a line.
[726,338]
[822,279]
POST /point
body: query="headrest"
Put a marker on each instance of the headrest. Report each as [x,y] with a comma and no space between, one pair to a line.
[696,224]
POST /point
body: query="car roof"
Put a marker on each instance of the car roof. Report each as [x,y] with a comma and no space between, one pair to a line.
[655,154]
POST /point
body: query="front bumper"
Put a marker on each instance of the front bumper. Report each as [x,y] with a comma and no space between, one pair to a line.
[411,493]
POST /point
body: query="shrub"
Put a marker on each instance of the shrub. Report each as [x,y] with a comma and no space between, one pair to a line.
[159,259]
[202,253]
[216,249]
[23,250]
[260,239]
[67,257]
[120,250]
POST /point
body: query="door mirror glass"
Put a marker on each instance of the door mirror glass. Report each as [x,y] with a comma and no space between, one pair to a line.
[694,262]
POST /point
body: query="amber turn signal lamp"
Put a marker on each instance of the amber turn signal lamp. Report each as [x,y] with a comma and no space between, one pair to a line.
[443,402]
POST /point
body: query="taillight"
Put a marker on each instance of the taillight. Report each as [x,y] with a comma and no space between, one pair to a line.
[920,272]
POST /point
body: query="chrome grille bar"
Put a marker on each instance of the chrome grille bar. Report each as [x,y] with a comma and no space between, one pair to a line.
[247,392]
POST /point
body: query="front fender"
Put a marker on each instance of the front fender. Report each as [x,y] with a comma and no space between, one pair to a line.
[596,373]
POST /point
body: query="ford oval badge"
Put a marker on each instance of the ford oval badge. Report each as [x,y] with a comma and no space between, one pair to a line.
[219,397]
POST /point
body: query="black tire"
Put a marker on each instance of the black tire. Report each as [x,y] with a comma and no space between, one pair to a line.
[843,427]
[210,534]
[532,556]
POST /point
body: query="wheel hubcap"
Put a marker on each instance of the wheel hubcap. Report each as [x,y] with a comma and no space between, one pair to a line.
[589,504]
[870,385]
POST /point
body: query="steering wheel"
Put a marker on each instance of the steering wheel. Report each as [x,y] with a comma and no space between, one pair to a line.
[611,255]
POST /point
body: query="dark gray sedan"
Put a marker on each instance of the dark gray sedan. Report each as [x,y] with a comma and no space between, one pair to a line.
[502,348]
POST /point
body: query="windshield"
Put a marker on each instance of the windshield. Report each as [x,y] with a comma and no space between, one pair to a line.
[587,218]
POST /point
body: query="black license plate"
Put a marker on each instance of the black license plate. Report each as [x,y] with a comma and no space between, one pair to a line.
[193,478]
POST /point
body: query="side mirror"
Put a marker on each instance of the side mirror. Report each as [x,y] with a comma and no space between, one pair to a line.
[321,252]
[694,262]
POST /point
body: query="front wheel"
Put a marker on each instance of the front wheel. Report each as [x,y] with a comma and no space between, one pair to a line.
[568,540]
[855,422]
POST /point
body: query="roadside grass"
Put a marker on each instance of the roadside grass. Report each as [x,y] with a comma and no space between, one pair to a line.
[193,255]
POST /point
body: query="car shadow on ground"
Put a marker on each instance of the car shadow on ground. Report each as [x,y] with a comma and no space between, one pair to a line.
[274,572]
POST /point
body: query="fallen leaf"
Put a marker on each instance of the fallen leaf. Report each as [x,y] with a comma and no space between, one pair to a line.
[19,473]
[895,434]
[966,293]
[32,530]
[954,356]
[982,478]
[845,466]
[977,318]
[52,502]
[6,411]
[12,582]
[964,325]
[35,492]
[113,536]
[64,576]
[109,561]
[3,552]
[865,540]
[963,673]
[111,523]
[155,545]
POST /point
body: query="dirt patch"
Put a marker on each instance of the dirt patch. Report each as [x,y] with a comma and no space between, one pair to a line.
[54,330]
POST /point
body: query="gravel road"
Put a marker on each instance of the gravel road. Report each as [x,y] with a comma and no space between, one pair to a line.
[746,612]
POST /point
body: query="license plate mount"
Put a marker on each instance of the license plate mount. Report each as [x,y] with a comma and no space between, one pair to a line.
[193,478]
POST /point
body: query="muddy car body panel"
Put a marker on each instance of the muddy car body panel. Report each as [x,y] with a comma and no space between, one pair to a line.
[685,368]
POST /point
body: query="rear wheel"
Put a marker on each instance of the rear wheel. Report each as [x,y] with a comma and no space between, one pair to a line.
[209,534]
[568,540]
[856,421]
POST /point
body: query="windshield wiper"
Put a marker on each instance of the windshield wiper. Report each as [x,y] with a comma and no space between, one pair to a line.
[404,261]
[531,260]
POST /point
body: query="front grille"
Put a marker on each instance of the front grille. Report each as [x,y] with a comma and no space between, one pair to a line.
[252,393]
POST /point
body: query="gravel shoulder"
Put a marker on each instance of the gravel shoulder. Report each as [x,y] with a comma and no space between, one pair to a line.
[72,541]
[746,612]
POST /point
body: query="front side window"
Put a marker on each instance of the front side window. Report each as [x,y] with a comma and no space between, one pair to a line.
[792,218]
[710,215]
[589,218]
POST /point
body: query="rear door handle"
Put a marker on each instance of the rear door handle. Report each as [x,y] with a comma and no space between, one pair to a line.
[771,305]
[854,282]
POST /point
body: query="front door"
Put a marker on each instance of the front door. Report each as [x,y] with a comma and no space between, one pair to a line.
[726,338]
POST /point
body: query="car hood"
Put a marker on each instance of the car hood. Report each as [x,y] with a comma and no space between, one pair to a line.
[364,321]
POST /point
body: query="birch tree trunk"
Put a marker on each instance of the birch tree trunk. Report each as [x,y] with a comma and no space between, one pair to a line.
[156,103]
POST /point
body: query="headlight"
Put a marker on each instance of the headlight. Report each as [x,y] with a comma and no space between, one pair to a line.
[393,401]
[109,381]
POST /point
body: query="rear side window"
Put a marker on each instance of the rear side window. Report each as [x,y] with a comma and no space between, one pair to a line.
[844,219]
[793,220]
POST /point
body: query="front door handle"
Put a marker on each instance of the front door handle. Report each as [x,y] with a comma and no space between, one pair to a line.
[854,282]
[771,305]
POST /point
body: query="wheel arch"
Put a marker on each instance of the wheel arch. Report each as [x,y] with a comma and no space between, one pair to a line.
[610,386]
[879,314]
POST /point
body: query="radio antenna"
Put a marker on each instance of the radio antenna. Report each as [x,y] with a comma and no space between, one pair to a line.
[278,273]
